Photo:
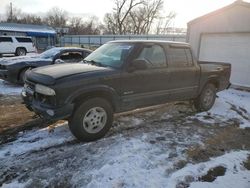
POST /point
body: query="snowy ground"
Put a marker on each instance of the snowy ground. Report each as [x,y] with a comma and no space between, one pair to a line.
[7,88]
[143,149]
[230,104]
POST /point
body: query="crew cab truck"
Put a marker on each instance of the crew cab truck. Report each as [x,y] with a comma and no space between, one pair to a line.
[121,76]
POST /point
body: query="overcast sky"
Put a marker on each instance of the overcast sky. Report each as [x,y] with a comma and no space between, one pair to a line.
[186,9]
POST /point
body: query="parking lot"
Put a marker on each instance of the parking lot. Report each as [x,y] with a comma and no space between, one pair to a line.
[165,146]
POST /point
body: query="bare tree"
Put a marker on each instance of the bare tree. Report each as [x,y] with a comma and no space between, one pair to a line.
[136,17]
[75,26]
[117,18]
[164,23]
[56,17]
[30,19]
[79,27]
[143,17]
[13,14]
[110,24]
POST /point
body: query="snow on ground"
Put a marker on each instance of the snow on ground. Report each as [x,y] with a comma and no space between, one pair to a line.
[36,140]
[236,175]
[138,157]
[141,150]
[7,88]
[230,104]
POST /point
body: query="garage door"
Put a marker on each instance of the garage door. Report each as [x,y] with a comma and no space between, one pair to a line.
[231,48]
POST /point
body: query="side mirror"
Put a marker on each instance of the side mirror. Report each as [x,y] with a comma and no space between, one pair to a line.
[137,64]
[59,61]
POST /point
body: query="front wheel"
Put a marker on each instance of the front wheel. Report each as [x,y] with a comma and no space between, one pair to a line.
[91,120]
[206,99]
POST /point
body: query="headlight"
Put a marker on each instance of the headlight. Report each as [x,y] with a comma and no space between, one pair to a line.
[44,90]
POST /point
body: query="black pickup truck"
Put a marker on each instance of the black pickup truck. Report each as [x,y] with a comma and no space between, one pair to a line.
[121,76]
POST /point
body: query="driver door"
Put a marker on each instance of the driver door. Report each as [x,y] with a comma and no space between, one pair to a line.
[146,87]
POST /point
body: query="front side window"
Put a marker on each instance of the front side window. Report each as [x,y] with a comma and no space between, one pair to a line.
[154,56]
[111,54]
[5,39]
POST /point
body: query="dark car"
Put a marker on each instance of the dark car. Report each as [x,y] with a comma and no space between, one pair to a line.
[121,76]
[13,69]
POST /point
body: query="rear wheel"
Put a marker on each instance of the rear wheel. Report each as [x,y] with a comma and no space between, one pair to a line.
[20,52]
[91,120]
[206,99]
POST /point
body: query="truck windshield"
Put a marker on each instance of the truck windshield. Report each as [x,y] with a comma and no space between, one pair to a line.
[111,54]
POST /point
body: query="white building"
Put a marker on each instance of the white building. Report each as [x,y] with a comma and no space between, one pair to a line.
[224,36]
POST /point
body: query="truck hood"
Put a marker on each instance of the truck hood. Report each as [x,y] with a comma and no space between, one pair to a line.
[49,74]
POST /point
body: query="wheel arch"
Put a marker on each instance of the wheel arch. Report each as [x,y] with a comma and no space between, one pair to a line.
[211,80]
[22,47]
[22,69]
[104,92]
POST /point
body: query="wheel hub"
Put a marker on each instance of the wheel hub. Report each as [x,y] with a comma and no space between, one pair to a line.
[208,97]
[94,120]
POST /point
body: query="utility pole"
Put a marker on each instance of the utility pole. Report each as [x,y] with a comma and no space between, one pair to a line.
[11,12]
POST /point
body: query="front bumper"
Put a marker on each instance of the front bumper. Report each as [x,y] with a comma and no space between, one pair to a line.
[46,111]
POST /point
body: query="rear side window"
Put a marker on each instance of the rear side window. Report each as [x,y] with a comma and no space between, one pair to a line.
[5,39]
[71,56]
[21,39]
[154,56]
[180,56]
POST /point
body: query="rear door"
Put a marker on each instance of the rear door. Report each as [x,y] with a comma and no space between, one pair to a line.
[26,42]
[6,45]
[149,86]
[185,74]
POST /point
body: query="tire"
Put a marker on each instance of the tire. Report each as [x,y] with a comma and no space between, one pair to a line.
[206,99]
[20,52]
[91,120]
[22,76]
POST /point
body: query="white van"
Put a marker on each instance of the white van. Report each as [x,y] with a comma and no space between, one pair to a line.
[16,45]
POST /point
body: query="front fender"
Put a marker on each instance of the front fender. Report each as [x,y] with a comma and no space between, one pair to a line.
[96,88]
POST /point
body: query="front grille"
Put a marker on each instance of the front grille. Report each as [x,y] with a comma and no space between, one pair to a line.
[30,85]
